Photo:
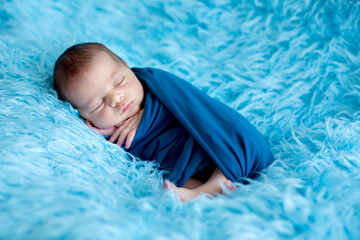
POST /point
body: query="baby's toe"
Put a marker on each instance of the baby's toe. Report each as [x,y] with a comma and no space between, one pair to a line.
[229,185]
[167,185]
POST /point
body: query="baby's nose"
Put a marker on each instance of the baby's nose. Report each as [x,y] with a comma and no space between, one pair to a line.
[115,99]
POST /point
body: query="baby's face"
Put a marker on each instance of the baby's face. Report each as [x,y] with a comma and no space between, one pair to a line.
[107,93]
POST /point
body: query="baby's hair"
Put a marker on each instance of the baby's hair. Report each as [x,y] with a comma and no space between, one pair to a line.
[74,61]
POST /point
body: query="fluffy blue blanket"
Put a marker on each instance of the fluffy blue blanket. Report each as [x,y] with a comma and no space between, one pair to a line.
[290,67]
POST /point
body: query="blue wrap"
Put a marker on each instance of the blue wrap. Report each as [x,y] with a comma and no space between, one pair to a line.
[186,131]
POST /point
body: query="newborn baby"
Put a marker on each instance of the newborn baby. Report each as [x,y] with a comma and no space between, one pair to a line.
[200,142]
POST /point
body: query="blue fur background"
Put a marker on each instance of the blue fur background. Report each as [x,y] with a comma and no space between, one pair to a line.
[291,67]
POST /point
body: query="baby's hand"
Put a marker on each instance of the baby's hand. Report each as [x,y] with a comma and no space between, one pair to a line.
[127,130]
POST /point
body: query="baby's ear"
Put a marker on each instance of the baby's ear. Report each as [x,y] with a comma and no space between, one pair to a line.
[126,63]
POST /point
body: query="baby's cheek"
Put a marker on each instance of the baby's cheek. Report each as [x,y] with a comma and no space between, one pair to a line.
[99,123]
[103,121]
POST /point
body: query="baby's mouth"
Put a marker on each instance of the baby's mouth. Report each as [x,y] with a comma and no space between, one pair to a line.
[127,106]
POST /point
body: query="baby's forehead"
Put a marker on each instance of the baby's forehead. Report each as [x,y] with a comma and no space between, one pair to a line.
[101,56]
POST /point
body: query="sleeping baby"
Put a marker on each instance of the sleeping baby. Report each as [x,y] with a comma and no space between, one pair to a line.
[202,144]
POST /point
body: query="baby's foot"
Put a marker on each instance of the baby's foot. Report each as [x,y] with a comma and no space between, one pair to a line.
[183,194]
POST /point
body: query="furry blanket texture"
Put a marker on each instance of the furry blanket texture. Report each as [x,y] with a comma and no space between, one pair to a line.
[292,68]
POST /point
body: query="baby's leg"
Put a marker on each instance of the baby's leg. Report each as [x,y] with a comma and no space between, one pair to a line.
[212,186]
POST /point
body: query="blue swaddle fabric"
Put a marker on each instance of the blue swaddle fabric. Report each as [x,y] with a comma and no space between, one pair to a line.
[231,142]
[162,138]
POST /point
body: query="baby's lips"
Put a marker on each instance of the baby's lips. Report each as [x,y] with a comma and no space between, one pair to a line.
[127,106]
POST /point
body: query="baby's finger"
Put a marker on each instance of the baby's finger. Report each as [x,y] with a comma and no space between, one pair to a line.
[94,129]
[130,138]
[122,138]
[115,135]
[88,123]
